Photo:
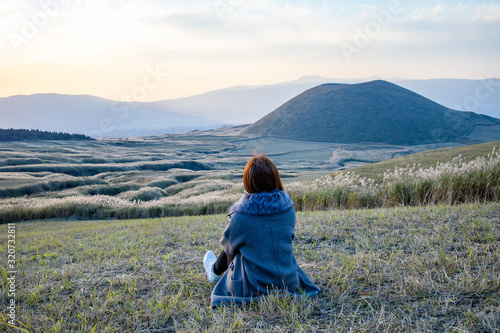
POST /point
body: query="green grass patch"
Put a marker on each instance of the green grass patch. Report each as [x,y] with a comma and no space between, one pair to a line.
[433,269]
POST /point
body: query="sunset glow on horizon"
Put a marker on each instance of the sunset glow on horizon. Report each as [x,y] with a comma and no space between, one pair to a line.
[173,49]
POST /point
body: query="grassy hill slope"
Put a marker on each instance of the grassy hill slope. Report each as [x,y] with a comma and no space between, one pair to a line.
[376,111]
[443,177]
[426,159]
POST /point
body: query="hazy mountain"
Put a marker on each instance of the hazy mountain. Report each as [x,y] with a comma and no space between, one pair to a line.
[93,116]
[376,111]
[246,104]
[236,105]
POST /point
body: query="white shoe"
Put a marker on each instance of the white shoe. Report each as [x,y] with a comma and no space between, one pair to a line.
[208,263]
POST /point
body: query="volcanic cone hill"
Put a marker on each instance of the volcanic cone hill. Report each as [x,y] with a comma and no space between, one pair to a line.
[376,111]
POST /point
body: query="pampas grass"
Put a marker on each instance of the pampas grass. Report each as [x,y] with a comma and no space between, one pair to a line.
[449,183]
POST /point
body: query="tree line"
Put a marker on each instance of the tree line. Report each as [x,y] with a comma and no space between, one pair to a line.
[35,134]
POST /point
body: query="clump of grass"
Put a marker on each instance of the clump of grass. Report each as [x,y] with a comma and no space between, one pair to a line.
[106,207]
[145,194]
[49,184]
[80,170]
[409,269]
[200,198]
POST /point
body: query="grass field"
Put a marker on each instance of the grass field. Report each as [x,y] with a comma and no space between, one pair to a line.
[145,190]
[120,167]
[414,269]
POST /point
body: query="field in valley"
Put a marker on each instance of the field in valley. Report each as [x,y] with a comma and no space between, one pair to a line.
[414,269]
[194,173]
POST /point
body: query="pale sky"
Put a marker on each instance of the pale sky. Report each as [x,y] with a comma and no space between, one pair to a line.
[159,49]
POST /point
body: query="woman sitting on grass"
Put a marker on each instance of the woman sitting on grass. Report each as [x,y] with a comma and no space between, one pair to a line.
[258,250]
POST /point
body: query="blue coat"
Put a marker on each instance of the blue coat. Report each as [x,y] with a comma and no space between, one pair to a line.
[260,234]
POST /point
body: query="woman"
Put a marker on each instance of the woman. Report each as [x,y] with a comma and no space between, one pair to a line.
[258,250]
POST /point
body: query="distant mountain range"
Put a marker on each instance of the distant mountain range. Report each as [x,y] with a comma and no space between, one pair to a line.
[99,117]
[375,112]
[94,116]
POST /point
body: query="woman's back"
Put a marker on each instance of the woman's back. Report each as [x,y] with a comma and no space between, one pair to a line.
[260,236]
[265,242]
[258,242]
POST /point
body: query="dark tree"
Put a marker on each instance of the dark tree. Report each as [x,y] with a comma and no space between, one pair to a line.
[35,134]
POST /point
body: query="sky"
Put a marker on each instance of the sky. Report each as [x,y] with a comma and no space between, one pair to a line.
[147,50]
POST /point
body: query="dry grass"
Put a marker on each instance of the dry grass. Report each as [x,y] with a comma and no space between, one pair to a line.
[417,269]
[426,159]
[453,182]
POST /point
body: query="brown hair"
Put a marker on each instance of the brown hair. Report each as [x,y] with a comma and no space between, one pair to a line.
[261,174]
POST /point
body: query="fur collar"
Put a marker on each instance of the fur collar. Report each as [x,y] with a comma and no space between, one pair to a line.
[262,203]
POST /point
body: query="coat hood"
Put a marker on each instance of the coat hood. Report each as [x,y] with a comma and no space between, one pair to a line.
[262,203]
